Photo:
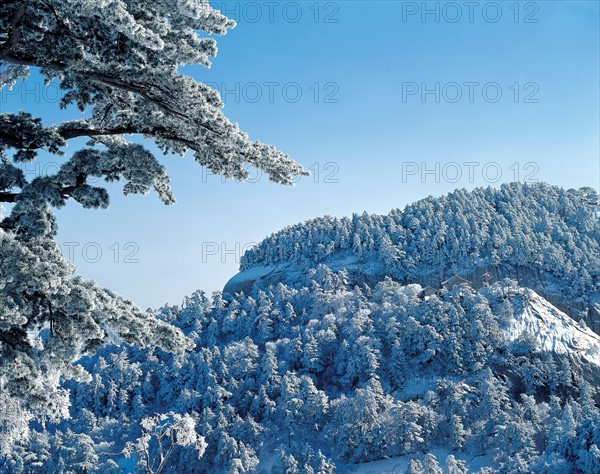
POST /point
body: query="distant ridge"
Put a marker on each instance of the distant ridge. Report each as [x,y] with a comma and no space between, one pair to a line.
[544,236]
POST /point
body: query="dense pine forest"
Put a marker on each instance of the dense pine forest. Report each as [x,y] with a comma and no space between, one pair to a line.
[324,371]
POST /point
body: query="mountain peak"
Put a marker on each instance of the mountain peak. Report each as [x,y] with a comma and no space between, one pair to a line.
[545,237]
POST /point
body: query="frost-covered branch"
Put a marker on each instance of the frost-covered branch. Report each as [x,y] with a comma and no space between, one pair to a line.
[122,61]
[160,435]
[118,62]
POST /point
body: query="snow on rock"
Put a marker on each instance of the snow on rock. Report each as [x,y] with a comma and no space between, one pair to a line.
[553,329]
[291,273]
[243,281]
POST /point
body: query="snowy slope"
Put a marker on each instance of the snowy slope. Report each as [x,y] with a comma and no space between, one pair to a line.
[399,465]
[553,329]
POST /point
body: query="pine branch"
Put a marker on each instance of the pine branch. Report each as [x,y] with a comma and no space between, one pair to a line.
[143,89]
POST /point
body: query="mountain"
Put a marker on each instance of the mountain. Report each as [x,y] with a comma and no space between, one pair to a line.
[543,236]
[370,356]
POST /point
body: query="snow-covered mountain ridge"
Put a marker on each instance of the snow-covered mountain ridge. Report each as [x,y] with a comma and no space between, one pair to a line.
[542,236]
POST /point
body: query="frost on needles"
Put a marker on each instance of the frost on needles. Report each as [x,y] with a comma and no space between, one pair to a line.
[117,62]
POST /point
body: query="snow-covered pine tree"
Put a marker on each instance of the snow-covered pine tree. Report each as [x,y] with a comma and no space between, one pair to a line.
[120,62]
[455,466]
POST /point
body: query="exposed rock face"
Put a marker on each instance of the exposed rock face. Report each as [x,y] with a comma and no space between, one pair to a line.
[364,274]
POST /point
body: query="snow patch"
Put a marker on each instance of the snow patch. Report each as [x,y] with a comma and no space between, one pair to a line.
[553,329]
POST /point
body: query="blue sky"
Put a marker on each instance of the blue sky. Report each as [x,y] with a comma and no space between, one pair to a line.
[513,95]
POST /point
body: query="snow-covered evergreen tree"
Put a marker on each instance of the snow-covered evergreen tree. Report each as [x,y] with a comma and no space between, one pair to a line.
[118,61]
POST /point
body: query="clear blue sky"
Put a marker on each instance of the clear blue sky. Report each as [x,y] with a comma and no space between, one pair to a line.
[361,122]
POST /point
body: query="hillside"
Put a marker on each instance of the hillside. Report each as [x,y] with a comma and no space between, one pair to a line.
[543,236]
[345,364]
